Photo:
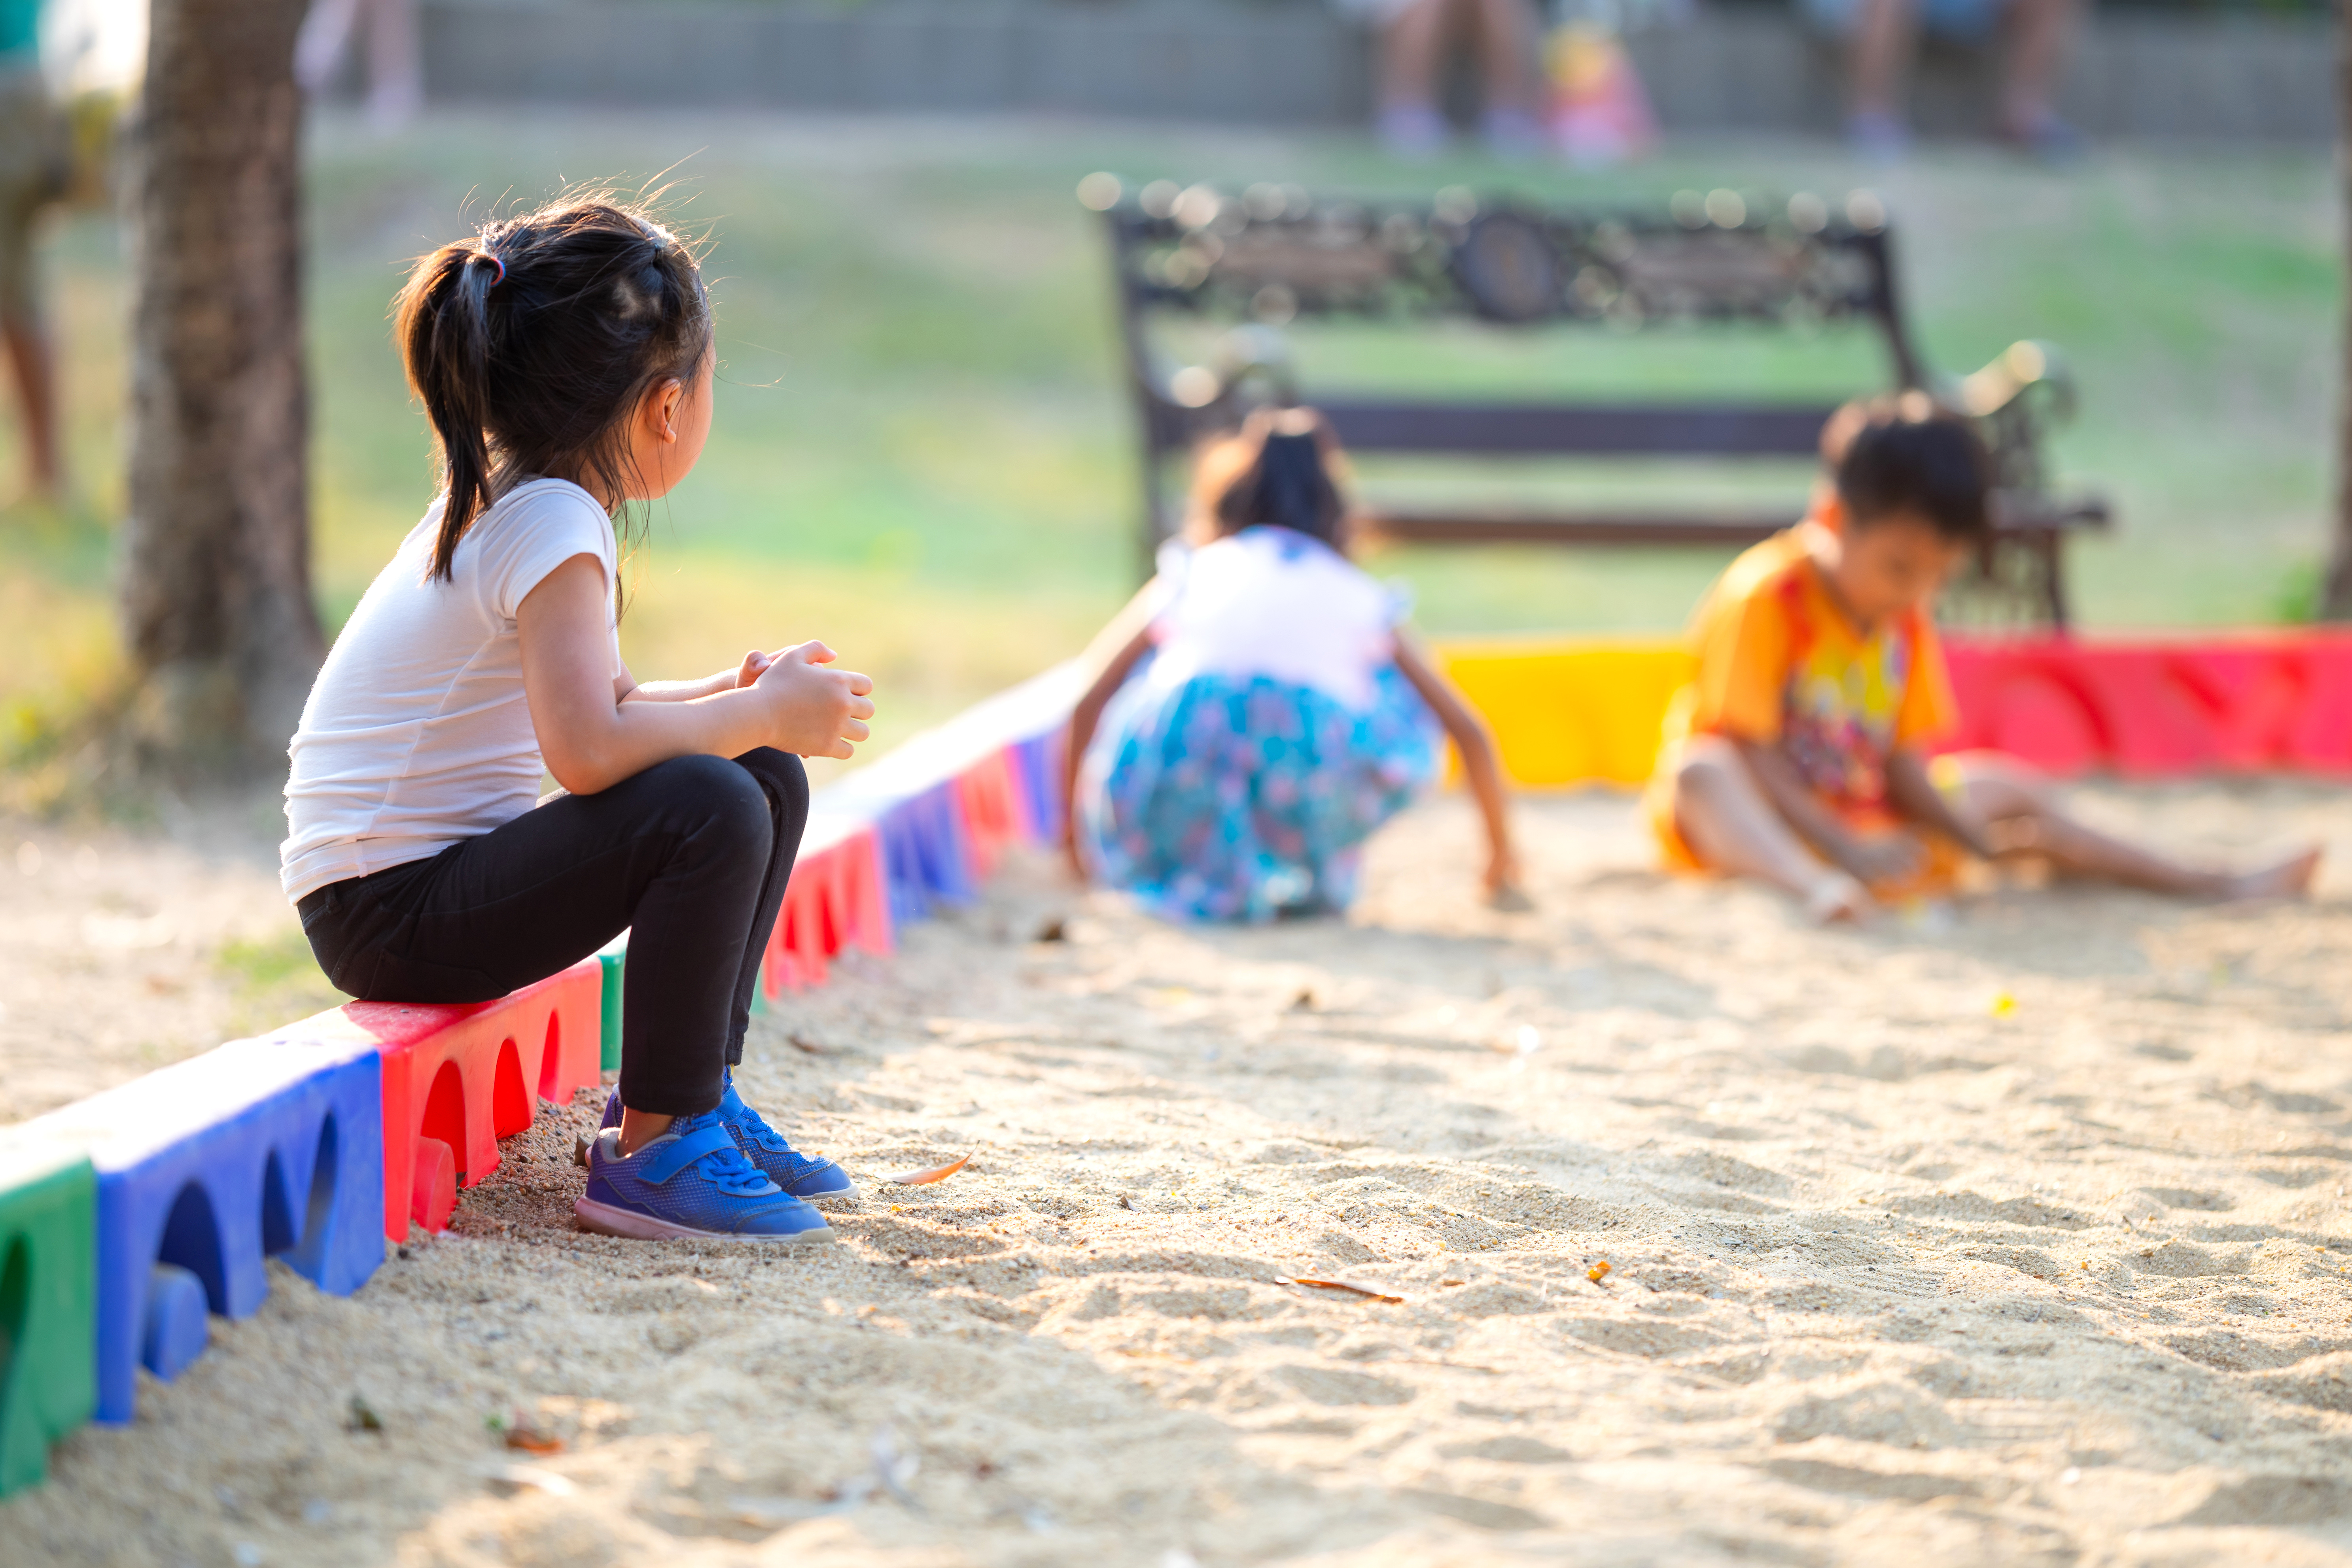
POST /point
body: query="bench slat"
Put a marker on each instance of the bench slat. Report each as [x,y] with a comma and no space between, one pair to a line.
[1614,430]
[2024,517]
[1457,526]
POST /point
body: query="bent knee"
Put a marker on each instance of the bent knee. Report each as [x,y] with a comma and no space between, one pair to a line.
[781,774]
[716,795]
[1996,784]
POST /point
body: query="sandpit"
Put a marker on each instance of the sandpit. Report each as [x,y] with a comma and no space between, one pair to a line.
[2014,1237]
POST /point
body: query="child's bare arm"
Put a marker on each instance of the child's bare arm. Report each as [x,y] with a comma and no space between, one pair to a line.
[1868,860]
[1115,650]
[1119,633]
[1916,798]
[628,688]
[592,737]
[1471,737]
[1084,717]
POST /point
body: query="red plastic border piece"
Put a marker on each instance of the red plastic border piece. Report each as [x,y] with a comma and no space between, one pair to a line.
[2156,709]
[457,1078]
[994,809]
[836,900]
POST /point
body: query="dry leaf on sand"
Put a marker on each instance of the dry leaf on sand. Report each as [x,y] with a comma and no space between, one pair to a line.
[924,1178]
[532,1439]
[1365,1291]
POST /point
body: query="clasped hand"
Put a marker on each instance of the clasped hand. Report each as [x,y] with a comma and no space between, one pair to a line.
[813,711]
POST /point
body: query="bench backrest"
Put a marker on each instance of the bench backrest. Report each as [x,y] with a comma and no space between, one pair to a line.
[1272,254]
[1265,256]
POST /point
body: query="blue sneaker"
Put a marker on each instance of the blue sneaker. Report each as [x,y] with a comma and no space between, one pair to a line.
[691,1182]
[814,1181]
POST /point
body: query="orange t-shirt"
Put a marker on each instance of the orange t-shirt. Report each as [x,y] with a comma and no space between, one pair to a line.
[1779,662]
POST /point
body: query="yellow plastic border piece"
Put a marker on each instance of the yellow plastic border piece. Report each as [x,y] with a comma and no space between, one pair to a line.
[1570,712]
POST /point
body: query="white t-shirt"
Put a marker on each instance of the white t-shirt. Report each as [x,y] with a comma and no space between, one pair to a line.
[1273,602]
[416,734]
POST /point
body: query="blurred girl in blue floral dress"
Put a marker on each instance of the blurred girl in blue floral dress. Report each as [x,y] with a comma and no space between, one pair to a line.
[1259,712]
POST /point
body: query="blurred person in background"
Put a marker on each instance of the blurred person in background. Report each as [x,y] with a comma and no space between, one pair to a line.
[34,168]
[1257,709]
[395,73]
[1884,38]
[1414,35]
[1802,750]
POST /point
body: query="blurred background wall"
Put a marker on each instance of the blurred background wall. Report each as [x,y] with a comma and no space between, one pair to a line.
[2159,70]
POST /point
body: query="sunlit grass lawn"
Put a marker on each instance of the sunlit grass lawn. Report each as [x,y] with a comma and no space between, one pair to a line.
[923,451]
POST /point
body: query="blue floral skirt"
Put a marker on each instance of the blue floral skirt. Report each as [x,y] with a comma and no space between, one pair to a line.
[1226,799]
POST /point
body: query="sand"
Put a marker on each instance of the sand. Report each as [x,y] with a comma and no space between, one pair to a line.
[2017,1235]
[120,952]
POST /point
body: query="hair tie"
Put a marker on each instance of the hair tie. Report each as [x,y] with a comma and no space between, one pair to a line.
[492,257]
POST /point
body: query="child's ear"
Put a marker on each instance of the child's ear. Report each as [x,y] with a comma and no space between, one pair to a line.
[1829,509]
[663,404]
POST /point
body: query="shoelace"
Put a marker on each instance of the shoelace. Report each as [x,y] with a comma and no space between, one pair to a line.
[752,1124]
[728,1169]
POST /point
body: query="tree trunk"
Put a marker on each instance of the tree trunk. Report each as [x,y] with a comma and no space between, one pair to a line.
[216,572]
[2335,594]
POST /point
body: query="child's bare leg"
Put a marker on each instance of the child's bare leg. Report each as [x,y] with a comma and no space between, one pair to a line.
[1410,48]
[2026,817]
[1507,54]
[639,1128]
[1723,813]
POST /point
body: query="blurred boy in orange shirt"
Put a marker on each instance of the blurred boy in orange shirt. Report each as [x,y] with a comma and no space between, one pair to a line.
[1798,753]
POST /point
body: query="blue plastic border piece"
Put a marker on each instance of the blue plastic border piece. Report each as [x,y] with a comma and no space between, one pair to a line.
[216,1164]
[1037,764]
[924,858]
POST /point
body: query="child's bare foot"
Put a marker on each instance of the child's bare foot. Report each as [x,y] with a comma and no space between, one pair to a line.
[2287,879]
[1509,899]
[1838,898]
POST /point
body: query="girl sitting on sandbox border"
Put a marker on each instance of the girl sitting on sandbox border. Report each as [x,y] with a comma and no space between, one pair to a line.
[1258,712]
[565,358]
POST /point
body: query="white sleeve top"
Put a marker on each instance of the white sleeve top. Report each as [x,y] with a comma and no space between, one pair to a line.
[417,734]
[1273,602]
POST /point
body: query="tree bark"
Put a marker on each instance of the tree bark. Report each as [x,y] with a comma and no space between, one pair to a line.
[2336,592]
[215,588]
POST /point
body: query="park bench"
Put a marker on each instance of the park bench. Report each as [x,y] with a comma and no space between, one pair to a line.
[1262,258]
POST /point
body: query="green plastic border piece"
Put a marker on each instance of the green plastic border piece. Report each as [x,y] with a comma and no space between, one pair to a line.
[49,1304]
[614,958]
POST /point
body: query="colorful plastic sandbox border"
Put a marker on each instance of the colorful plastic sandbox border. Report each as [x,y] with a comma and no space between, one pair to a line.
[129,1218]
[1589,711]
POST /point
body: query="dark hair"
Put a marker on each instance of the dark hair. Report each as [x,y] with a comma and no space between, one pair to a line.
[531,345]
[1907,455]
[1276,471]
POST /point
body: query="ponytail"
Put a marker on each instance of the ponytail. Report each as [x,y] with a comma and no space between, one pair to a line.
[1293,489]
[444,334]
[532,346]
[1278,472]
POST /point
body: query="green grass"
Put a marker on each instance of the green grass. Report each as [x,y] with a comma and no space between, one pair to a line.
[924,455]
[273,981]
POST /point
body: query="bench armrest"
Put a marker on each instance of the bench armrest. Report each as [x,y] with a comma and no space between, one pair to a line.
[2028,375]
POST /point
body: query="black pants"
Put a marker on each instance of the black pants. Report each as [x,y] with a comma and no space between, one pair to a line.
[693,853]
